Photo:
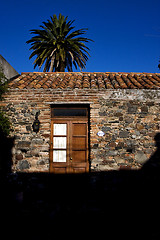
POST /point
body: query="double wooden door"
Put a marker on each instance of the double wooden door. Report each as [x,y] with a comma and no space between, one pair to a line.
[69,146]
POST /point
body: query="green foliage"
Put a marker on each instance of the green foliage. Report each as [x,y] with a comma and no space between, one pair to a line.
[56,45]
[5,125]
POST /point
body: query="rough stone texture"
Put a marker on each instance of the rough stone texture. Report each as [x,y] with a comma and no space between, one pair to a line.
[129,119]
[9,71]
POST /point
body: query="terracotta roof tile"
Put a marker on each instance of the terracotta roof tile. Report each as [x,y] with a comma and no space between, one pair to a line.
[107,82]
[78,82]
[100,81]
[120,81]
[86,81]
[114,81]
[93,82]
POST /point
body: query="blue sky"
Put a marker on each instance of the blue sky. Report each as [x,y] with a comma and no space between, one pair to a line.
[126,33]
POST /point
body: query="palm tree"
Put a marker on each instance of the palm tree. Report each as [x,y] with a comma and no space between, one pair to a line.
[57,47]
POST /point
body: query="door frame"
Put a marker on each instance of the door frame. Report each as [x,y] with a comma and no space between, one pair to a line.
[76,119]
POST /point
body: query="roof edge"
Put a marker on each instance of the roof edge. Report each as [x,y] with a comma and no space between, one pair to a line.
[89,73]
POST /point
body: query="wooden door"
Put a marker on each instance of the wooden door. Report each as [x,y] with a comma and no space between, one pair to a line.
[69,146]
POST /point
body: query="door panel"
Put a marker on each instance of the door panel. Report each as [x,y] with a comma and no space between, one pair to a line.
[79,167]
[79,170]
[79,129]
[79,143]
[79,156]
[58,168]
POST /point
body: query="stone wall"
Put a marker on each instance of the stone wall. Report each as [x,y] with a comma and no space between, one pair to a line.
[129,118]
[130,127]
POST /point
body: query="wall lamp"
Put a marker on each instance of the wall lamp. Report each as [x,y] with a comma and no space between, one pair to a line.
[36,123]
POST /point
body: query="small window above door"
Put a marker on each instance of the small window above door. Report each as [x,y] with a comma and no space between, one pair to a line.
[69,111]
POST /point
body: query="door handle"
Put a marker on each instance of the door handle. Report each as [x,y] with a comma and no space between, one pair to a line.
[71,158]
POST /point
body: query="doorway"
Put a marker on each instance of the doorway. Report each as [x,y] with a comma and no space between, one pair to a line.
[69,143]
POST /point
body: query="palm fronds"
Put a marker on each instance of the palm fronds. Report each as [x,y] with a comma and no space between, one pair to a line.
[58,47]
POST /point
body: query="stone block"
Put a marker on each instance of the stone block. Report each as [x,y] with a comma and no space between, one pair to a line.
[140,157]
[28,128]
[112,153]
[144,109]
[129,120]
[23,144]
[106,129]
[132,108]
[103,113]
[35,152]
[23,165]
[124,134]
[139,126]
[37,141]
[19,157]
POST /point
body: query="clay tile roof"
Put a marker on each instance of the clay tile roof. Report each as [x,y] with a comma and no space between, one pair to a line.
[86,81]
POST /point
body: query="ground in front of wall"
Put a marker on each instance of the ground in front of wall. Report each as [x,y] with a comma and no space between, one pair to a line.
[117,203]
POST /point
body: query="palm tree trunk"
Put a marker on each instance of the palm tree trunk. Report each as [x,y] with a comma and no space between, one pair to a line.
[51,66]
[62,67]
